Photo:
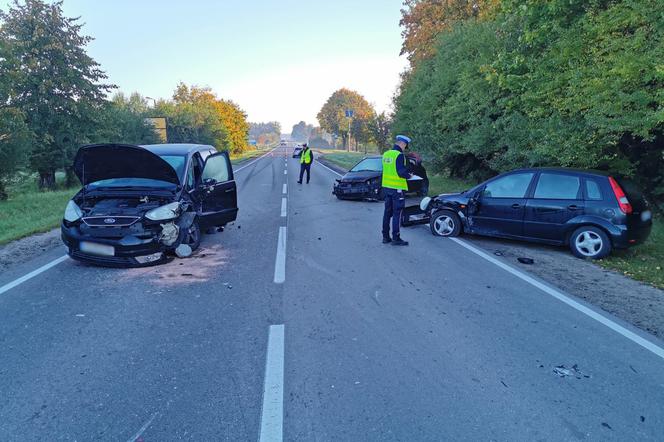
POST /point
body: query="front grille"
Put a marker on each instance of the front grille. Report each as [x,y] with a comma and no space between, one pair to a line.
[110,221]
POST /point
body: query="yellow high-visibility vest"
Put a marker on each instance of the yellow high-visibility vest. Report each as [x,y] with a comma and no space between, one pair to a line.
[391,178]
[306,156]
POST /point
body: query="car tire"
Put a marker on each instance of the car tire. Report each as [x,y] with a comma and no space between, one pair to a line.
[193,238]
[590,242]
[445,223]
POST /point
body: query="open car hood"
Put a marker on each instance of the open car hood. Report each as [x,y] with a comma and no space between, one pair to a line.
[98,162]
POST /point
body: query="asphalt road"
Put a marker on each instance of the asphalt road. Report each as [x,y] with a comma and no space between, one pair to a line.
[296,322]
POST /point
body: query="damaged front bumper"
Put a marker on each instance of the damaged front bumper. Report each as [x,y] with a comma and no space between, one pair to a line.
[136,245]
[356,190]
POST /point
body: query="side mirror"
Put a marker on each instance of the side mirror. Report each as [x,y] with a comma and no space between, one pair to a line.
[209,182]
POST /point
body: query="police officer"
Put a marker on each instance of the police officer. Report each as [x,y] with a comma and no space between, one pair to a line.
[395,174]
[305,162]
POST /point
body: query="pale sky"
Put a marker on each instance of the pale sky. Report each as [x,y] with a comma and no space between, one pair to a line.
[279,60]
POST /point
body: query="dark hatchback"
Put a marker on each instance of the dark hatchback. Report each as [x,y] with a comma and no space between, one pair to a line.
[591,212]
[363,181]
[138,204]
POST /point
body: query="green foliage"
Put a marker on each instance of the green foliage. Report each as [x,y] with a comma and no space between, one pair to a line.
[54,83]
[546,83]
[196,115]
[265,133]
[122,120]
[380,128]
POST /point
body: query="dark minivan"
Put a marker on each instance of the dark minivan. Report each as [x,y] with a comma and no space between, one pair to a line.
[139,204]
[591,212]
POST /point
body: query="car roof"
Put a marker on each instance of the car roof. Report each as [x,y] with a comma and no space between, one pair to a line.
[177,149]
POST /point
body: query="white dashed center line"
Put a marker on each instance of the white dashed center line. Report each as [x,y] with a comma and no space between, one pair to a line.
[284,207]
[284,189]
[272,417]
[280,260]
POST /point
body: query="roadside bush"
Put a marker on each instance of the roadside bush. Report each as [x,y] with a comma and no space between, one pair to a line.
[558,83]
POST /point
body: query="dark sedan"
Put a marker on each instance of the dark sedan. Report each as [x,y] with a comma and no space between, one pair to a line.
[591,212]
[140,203]
[363,181]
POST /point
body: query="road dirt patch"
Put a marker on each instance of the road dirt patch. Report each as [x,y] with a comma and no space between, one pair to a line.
[630,300]
[25,249]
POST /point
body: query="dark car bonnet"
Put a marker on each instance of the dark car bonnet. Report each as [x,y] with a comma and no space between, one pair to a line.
[98,162]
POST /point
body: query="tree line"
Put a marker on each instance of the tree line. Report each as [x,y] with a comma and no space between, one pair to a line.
[362,125]
[495,85]
[54,98]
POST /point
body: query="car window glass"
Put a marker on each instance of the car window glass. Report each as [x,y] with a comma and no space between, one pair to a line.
[558,187]
[216,168]
[177,162]
[190,175]
[592,190]
[369,164]
[510,186]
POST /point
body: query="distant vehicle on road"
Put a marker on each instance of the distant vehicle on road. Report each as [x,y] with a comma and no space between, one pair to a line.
[591,212]
[364,180]
[139,203]
[297,152]
[283,143]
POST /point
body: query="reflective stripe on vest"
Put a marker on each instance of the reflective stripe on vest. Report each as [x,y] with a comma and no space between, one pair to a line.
[306,157]
[391,178]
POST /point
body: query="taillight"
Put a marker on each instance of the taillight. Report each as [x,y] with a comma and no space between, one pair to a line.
[623,202]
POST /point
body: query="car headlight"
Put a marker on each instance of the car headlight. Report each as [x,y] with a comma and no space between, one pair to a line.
[169,211]
[424,204]
[72,212]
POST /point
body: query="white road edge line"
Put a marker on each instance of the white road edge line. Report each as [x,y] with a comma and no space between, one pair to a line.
[568,300]
[284,207]
[259,158]
[32,274]
[272,416]
[284,189]
[280,260]
[142,429]
[331,170]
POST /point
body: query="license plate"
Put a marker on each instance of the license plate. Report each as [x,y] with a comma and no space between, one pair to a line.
[97,249]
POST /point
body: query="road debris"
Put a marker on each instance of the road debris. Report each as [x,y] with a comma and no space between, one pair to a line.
[528,261]
[574,371]
[183,251]
[604,424]
[498,253]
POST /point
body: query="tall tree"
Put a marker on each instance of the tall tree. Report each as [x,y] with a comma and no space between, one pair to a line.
[332,116]
[424,20]
[380,127]
[302,132]
[265,133]
[56,84]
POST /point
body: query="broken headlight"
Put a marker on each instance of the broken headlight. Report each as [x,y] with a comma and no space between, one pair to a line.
[163,213]
[72,212]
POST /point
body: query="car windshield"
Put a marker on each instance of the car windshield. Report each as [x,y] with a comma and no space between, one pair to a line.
[369,165]
[177,162]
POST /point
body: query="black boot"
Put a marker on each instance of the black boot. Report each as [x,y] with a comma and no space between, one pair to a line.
[399,242]
[387,240]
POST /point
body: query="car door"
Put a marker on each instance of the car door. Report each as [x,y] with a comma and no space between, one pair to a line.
[501,205]
[557,198]
[219,192]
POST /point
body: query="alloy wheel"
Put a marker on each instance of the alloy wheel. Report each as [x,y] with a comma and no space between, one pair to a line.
[444,225]
[589,243]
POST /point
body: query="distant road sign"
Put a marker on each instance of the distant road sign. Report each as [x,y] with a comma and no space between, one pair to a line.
[349,114]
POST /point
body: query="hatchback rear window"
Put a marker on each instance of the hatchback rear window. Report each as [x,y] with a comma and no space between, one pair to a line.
[558,187]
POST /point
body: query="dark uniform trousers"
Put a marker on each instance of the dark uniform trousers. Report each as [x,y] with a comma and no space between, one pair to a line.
[395,200]
[305,167]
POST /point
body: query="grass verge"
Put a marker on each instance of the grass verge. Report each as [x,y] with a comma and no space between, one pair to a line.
[342,158]
[247,155]
[30,210]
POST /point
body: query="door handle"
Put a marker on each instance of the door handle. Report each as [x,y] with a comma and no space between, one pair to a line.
[516,206]
[230,190]
[574,207]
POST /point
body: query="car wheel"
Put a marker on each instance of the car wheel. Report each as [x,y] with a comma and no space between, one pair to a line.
[590,242]
[445,223]
[193,236]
